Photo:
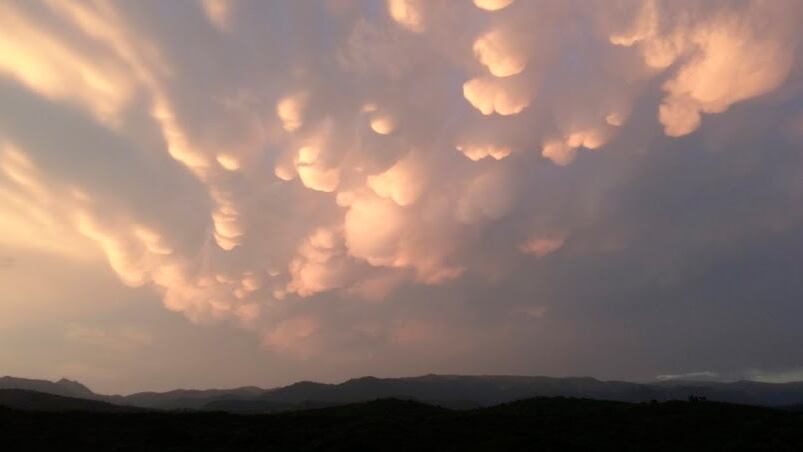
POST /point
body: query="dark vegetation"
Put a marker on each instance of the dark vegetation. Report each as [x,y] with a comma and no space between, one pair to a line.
[403,425]
[38,401]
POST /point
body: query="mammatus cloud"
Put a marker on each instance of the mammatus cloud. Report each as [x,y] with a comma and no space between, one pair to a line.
[408,14]
[492,5]
[285,167]
[542,244]
[491,95]
[497,50]
[730,56]
[290,110]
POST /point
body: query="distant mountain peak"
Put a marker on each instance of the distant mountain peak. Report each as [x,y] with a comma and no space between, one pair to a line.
[63,387]
[75,386]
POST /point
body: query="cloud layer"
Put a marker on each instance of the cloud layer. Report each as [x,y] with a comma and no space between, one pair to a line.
[292,167]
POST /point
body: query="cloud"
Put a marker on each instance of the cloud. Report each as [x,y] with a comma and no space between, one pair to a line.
[492,5]
[541,245]
[407,13]
[279,167]
[290,110]
[775,376]
[319,265]
[296,335]
[496,50]
[690,376]
[729,56]
[218,12]
[479,152]
[532,312]
[403,183]
[7,262]
[491,95]
[382,124]
[374,230]
[118,341]
[488,196]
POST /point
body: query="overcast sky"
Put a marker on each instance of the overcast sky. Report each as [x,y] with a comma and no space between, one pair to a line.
[224,192]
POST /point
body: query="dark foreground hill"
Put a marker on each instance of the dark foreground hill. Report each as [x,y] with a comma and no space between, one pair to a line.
[21,399]
[396,425]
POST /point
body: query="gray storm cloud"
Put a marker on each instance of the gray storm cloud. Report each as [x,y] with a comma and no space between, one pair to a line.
[343,147]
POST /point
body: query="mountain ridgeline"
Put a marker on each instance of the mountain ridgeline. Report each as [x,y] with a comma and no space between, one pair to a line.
[457,392]
[63,387]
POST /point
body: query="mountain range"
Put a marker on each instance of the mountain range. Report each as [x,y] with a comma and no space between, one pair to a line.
[450,391]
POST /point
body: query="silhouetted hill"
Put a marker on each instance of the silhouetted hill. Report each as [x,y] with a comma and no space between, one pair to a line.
[459,390]
[22,399]
[476,391]
[404,425]
[451,391]
[251,406]
[63,387]
[185,399]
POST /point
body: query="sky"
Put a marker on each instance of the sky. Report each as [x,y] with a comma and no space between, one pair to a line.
[220,193]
